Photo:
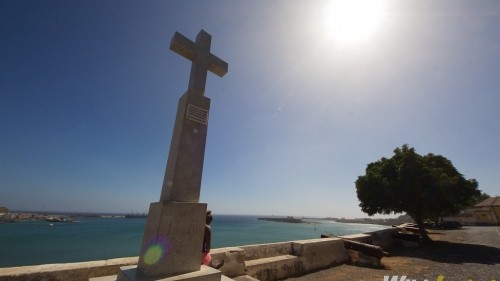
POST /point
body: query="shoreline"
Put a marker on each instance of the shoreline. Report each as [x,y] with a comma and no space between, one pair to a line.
[387,222]
[19,216]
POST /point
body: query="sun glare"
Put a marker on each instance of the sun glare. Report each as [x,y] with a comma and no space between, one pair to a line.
[350,22]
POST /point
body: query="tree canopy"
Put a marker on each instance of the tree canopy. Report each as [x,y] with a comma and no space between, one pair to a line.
[425,187]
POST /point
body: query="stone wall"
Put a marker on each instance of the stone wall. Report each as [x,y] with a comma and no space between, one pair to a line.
[264,261]
[80,271]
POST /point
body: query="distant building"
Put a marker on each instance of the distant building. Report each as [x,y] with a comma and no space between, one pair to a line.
[3,212]
[465,217]
[487,212]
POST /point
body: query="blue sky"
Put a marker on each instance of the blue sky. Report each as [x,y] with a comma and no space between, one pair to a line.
[89,90]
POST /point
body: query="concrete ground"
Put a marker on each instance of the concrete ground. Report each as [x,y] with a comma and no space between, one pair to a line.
[470,253]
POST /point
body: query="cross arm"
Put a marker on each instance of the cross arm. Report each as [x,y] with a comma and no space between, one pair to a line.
[202,60]
[183,46]
[217,66]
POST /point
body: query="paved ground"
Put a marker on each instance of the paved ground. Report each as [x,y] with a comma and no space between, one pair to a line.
[471,253]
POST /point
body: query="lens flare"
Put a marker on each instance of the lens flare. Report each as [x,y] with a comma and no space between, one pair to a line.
[153,254]
[158,250]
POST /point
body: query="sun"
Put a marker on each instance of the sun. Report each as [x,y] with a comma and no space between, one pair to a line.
[351,22]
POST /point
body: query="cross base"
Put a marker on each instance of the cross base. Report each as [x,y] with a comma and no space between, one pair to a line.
[130,273]
[173,239]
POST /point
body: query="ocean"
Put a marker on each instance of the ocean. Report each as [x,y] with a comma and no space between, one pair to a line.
[96,238]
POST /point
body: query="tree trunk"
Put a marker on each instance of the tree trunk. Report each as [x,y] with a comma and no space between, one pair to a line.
[423,232]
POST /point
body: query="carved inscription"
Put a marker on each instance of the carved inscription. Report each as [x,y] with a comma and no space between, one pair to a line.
[197,114]
[183,227]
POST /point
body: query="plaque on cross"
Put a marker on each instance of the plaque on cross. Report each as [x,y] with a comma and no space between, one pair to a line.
[202,60]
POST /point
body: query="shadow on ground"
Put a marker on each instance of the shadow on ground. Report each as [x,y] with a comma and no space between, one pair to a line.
[449,252]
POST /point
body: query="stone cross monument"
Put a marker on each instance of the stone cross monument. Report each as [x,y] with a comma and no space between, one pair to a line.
[185,161]
[173,236]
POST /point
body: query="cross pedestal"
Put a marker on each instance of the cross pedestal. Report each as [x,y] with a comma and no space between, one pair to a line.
[204,274]
[173,237]
[172,243]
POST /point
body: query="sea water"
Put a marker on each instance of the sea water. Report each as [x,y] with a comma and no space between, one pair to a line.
[95,238]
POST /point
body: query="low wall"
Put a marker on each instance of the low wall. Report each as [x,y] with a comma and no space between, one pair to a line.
[79,271]
[264,261]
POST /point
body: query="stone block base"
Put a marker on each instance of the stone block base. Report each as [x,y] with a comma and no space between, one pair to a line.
[234,260]
[317,254]
[130,273]
[173,239]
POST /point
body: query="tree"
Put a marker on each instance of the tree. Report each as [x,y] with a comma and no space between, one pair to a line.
[425,187]
[478,199]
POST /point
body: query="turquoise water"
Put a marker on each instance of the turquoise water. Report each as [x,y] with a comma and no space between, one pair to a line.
[39,242]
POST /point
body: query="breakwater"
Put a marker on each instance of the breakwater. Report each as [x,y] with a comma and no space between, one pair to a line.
[287,219]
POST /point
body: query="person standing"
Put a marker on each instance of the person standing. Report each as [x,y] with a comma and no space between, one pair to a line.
[206,258]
